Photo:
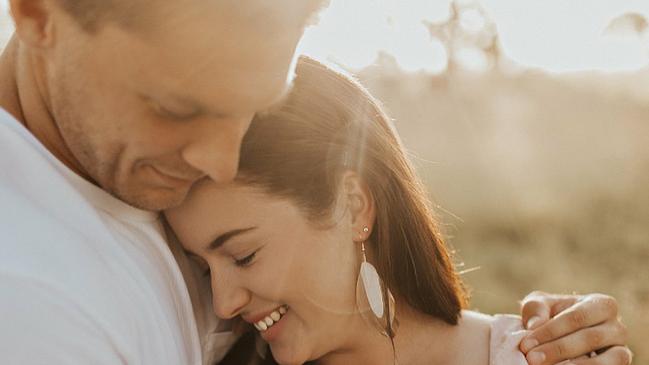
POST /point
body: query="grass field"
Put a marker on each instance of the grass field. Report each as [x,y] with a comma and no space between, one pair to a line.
[541,182]
[605,249]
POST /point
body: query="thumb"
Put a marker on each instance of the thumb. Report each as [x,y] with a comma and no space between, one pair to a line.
[536,309]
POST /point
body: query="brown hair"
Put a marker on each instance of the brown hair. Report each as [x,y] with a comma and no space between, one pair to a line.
[330,124]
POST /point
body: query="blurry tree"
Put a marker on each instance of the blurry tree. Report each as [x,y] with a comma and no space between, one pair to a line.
[470,38]
[629,22]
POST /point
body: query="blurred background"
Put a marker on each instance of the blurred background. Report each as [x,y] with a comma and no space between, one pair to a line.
[529,123]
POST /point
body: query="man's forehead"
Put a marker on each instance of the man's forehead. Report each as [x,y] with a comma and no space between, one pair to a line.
[209,59]
[261,77]
[221,109]
[264,15]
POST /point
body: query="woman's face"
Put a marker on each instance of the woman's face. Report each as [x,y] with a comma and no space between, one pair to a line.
[271,265]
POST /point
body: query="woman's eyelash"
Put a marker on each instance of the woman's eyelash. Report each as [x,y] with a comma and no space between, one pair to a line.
[240,262]
[246,260]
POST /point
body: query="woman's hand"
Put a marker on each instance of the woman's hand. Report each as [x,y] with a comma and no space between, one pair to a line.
[585,328]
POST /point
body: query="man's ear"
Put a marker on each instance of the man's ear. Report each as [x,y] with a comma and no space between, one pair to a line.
[361,205]
[34,21]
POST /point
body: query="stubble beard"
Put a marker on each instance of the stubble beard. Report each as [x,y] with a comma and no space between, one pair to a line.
[105,164]
[109,169]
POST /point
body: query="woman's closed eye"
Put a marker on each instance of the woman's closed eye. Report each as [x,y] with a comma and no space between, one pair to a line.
[243,262]
[246,261]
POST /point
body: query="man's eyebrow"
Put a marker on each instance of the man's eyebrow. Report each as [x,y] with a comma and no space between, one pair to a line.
[222,239]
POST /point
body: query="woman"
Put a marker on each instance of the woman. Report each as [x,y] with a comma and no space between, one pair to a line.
[324,195]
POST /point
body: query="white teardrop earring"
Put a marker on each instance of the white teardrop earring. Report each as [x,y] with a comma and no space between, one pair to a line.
[374,300]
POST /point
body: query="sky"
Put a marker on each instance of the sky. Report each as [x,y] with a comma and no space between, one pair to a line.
[554,35]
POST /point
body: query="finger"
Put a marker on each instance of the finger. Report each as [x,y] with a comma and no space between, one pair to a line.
[535,309]
[572,362]
[617,355]
[564,302]
[538,307]
[576,344]
[591,311]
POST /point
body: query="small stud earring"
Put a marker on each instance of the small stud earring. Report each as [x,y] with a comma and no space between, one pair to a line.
[365,229]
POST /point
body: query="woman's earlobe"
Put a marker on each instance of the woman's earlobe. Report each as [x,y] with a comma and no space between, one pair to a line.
[363,234]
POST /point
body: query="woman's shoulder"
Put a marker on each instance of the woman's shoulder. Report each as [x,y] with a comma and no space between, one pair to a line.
[473,332]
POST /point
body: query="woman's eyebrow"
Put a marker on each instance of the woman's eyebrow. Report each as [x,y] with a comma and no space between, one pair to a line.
[223,238]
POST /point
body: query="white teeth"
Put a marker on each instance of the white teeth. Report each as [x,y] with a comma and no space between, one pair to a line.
[275,316]
[270,320]
[262,325]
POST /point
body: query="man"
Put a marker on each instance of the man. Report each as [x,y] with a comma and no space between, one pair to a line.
[111,110]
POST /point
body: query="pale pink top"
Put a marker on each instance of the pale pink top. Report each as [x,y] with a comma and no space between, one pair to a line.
[506,334]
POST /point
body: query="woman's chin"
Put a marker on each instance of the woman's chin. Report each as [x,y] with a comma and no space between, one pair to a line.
[289,356]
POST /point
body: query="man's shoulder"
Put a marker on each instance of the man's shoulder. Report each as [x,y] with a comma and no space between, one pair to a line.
[45,260]
[66,247]
[35,243]
[42,324]
[57,262]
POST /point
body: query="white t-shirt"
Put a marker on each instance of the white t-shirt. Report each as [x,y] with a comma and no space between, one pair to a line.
[86,278]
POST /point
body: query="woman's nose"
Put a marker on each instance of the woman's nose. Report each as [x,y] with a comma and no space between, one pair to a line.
[228,298]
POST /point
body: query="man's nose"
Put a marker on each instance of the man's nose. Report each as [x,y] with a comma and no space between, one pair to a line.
[214,148]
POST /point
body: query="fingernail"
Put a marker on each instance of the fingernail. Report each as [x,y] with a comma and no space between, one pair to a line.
[528,344]
[533,322]
[535,358]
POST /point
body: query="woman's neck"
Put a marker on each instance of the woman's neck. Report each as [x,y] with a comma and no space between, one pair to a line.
[420,339]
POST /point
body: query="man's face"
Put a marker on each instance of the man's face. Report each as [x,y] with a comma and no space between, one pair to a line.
[150,110]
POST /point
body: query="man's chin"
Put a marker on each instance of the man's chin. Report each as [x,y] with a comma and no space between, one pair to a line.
[153,199]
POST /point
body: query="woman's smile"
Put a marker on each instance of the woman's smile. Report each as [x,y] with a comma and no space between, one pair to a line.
[269,325]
